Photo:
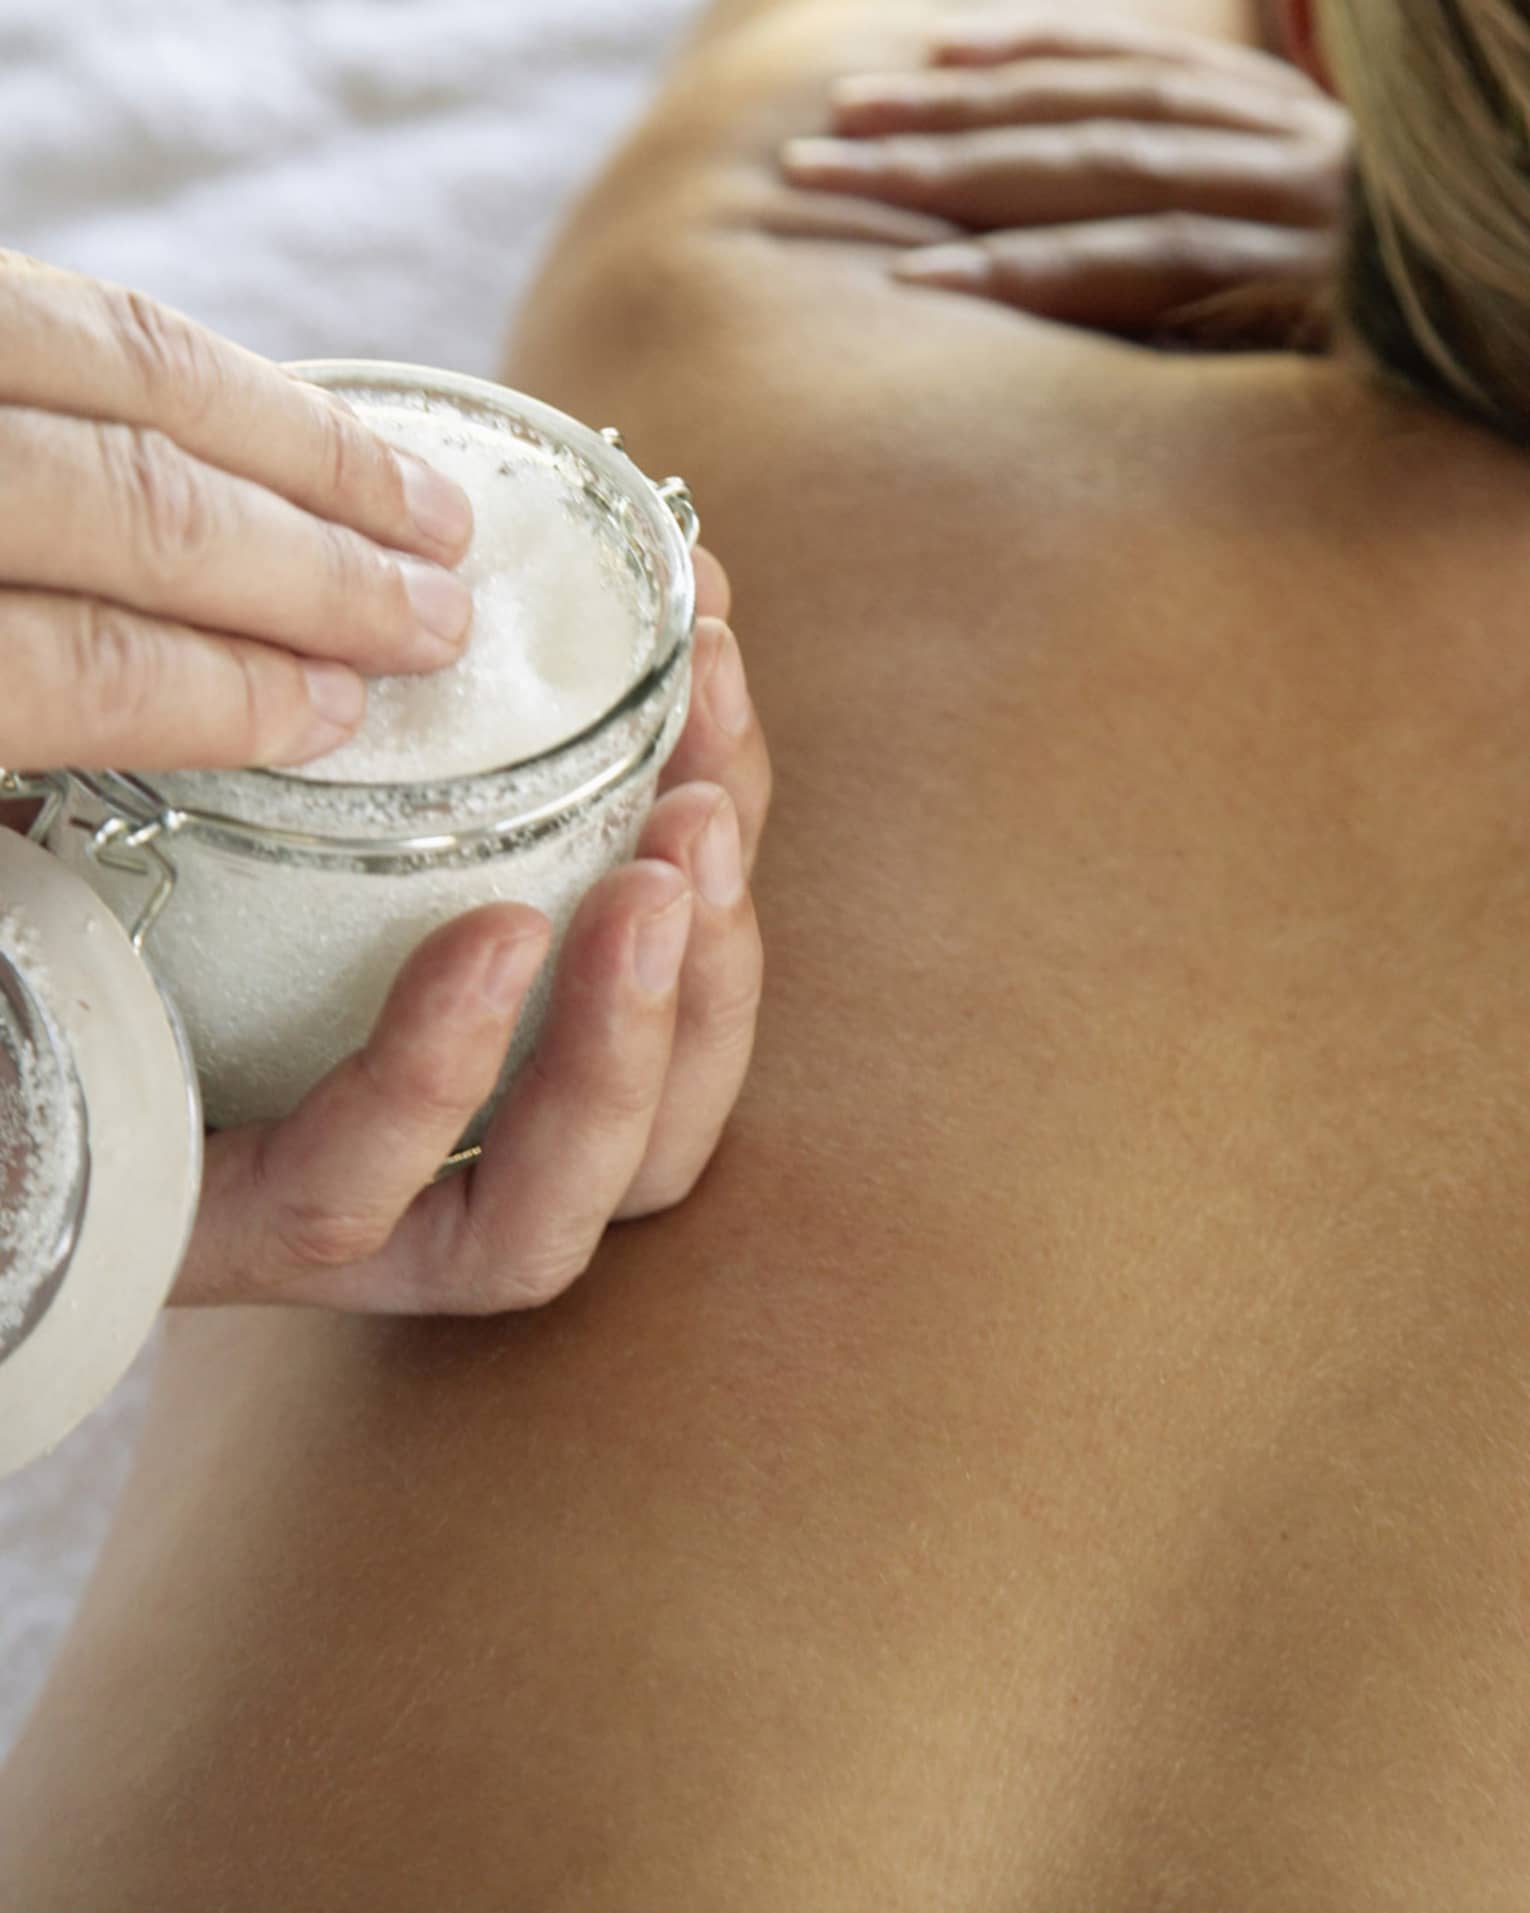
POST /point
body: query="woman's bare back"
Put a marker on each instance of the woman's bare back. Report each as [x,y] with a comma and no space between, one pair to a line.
[1071,1454]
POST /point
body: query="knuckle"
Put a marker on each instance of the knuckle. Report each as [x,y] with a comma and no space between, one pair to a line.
[502,1280]
[117,673]
[428,1090]
[726,1028]
[609,1099]
[733,1010]
[169,516]
[551,1268]
[622,1100]
[252,714]
[1186,240]
[318,1237]
[351,462]
[337,457]
[1117,150]
[1162,96]
[173,360]
[363,588]
[308,1234]
[923,165]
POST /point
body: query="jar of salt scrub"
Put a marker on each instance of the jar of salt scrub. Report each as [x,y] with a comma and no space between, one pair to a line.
[212,944]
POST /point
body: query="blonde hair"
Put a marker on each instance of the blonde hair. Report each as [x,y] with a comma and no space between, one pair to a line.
[1437,276]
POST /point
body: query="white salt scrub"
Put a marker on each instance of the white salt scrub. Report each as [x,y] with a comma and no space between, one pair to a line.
[556,639]
[523,773]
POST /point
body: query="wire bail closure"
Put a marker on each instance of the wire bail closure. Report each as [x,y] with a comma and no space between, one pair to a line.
[674,491]
[677,495]
[119,845]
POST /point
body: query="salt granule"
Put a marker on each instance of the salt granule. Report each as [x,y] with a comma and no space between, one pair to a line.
[555,642]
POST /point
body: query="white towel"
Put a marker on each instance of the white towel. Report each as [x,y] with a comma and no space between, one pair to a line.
[316,178]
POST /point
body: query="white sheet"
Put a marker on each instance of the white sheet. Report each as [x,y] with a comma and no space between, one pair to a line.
[316,178]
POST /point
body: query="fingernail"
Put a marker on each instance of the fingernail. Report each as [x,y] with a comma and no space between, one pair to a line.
[718,862]
[660,946]
[960,267]
[808,157]
[728,689]
[509,972]
[442,606]
[338,699]
[439,509]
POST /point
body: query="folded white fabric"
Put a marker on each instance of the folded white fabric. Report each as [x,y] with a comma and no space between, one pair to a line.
[316,178]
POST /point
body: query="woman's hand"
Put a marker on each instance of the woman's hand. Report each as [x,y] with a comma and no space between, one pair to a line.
[638,1067]
[1095,172]
[199,555]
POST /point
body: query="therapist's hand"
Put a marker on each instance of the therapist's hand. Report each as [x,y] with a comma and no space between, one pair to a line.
[199,555]
[1099,172]
[638,1068]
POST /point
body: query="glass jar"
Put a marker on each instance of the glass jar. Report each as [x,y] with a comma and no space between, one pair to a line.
[276,910]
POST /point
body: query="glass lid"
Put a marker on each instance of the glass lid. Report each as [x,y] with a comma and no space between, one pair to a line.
[44,1148]
[100,1150]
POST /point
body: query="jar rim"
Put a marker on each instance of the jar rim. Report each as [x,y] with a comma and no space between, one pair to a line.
[148,821]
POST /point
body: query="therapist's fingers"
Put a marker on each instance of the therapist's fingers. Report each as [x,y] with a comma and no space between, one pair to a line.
[90,684]
[1061,92]
[76,346]
[1031,29]
[1010,176]
[1133,276]
[571,1136]
[722,742]
[125,514]
[306,1210]
[697,830]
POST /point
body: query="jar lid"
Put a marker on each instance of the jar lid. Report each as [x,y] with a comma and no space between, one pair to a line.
[100,1150]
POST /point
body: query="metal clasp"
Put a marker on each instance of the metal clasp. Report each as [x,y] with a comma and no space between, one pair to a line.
[118,843]
[133,849]
[677,495]
[674,491]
